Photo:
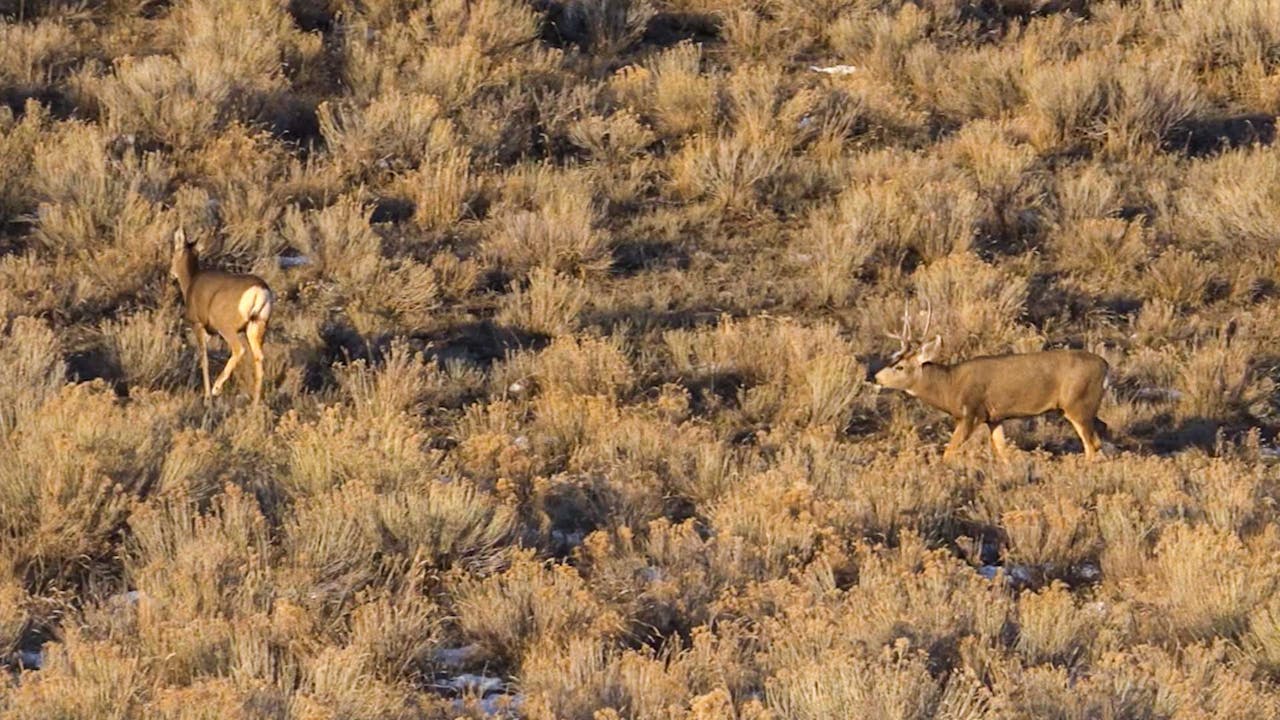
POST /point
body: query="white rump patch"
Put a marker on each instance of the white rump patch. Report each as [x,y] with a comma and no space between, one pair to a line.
[256,303]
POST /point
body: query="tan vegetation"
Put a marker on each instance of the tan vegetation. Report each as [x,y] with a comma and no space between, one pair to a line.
[566,408]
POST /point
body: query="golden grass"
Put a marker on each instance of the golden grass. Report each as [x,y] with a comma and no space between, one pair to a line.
[576,304]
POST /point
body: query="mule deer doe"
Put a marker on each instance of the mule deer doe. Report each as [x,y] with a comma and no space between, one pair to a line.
[990,389]
[225,303]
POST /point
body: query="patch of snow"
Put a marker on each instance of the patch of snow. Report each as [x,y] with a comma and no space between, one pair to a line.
[835,69]
[471,683]
[125,598]
[1157,394]
[288,261]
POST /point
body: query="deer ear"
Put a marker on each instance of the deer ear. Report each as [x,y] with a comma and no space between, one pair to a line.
[929,351]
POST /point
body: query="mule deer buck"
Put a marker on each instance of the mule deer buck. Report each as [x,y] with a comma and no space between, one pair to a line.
[990,389]
[225,303]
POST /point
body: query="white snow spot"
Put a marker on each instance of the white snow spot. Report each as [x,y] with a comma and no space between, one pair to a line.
[1157,394]
[475,684]
[288,261]
[835,69]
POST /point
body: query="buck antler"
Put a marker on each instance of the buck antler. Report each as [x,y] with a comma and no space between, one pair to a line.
[904,336]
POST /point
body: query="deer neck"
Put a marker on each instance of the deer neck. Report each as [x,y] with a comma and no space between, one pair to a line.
[936,388]
[188,266]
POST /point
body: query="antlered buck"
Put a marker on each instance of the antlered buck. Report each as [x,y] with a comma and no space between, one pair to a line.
[988,390]
[225,303]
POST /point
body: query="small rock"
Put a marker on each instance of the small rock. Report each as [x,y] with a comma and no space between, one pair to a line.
[568,539]
[457,657]
[30,659]
[1088,572]
[1021,575]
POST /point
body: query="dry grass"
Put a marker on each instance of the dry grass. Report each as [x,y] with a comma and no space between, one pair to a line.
[568,412]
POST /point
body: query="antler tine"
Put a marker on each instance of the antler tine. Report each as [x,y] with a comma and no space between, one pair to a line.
[928,318]
[900,336]
[906,323]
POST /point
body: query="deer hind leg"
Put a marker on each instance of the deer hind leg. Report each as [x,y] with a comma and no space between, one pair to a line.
[255,332]
[998,442]
[202,345]
[1088,436]
[964,428]
[237,350]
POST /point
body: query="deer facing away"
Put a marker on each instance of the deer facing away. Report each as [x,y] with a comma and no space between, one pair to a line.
[990,389]
[225,303]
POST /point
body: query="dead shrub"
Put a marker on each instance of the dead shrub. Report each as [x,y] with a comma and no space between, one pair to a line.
[34,53]
[394,131]
[671,90]
[1211,582]
[976,307]
[146,349]
[1051,628]
[32,370]
[1059,535]
[525,606]
[549,304]
[562,232]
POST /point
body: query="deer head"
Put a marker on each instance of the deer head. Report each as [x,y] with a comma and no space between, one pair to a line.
[182,266]
[903,371]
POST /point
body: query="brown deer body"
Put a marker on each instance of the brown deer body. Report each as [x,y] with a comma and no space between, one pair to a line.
[225,303]
[990,389]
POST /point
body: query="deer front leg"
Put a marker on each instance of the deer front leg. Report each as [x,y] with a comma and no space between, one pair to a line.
[202,345]
[964,428]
